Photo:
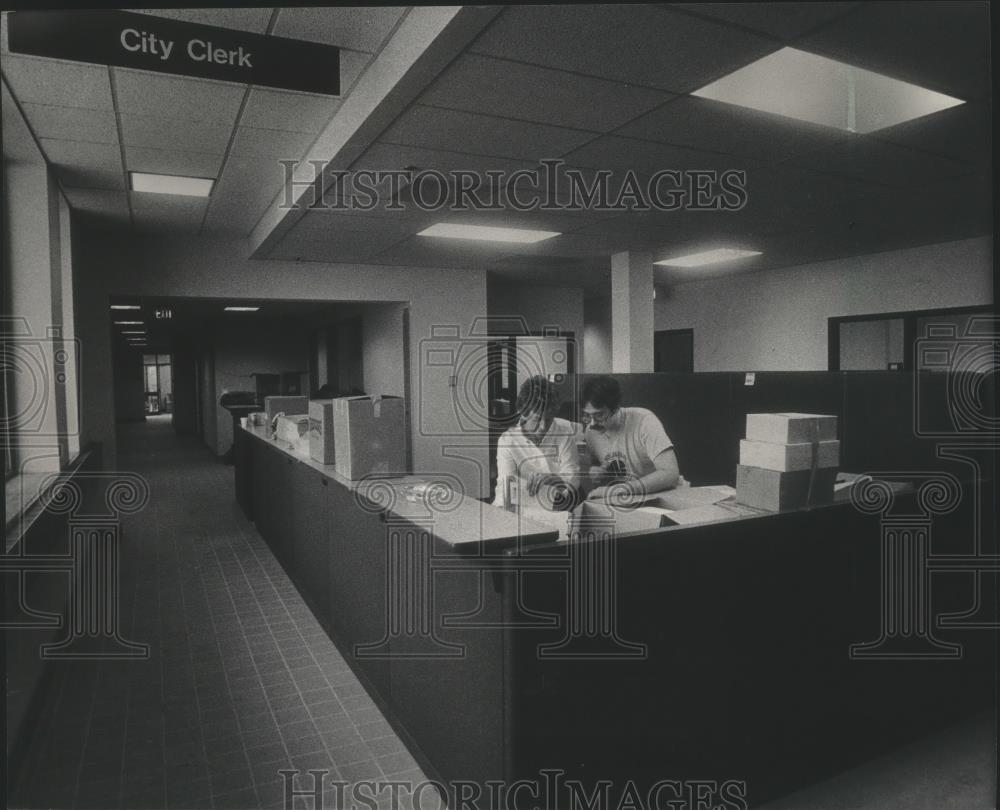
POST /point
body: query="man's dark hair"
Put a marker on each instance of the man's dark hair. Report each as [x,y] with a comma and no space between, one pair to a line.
[601,392]
[537,394]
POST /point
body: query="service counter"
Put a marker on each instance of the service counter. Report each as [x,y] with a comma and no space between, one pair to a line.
[763,649]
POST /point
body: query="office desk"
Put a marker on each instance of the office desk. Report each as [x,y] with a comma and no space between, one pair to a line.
[718,651]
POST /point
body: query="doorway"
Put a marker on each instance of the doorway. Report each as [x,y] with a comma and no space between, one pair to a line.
[158,378]
[887,341]
[673,350]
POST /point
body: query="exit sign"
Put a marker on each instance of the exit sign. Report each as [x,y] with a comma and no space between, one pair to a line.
[148,42]
[163,313]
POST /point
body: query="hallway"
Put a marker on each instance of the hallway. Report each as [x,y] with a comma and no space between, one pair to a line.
[241,680]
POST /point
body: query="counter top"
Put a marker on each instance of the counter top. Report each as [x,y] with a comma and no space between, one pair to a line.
[456,519]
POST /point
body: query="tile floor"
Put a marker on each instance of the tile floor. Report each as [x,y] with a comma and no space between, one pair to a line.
[241,681]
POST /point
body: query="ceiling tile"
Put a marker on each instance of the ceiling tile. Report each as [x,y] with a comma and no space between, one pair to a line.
[361,29]
[183,99]
[85,165]
[423,251]
[456,131]
[635,44]
[161,132]
[239,19]
[72,123]
[873,161]
[714,126]
[293,112]
[395,157]
[941,45]
[784,20]
[173,161]
[98,201]
[271,143]
[62,84]
[162,213]
[531,93]
[327,225]
[578,274]
[961,132]
[340,244]
[644,158]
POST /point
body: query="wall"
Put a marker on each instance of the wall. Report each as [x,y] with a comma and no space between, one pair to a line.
[207,402]
[777,320]
[441,301]
[130,385]
[38,269]
[541,307]
[597,335]
[383,355]
[265,347]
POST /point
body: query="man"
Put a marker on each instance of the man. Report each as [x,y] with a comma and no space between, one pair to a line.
[537,462]
[630,445]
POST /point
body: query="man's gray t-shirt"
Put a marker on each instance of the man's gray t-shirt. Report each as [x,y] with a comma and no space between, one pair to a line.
[639,439]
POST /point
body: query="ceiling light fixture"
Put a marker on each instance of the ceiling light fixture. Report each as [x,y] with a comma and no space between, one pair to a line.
[129,323]
[705,257]
[241,309]
[133,331]
[483,233]
[125,306]
[806,87]
[171,184]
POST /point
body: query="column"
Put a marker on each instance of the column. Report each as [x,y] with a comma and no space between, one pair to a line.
[631,313]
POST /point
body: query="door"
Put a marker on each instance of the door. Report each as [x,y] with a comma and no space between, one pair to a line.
[673,350]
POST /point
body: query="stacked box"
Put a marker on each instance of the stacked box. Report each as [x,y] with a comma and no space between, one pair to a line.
[787,460]
[369,436]
[321,443]
[286,405]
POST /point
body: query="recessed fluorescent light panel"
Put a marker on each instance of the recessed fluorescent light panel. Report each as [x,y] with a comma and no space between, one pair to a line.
[133,331]
[125,306]
[129,323]
[241,309]
[823,91]
[481,233]
[707,257]
[171,184]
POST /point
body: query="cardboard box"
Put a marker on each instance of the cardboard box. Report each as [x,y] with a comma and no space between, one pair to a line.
[788,457]
[369,436]
[625,520]
[773,491]
[286,405]
[791,428]
[321,444]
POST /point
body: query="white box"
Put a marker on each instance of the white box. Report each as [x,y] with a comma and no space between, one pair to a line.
[788,457]
[791,428]
[321,442]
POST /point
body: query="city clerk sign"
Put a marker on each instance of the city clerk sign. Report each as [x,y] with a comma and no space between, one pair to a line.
[145,42]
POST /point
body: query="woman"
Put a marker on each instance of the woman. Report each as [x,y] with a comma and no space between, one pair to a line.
[537,462]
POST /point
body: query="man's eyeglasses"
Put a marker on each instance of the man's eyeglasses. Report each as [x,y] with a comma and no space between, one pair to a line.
[598,416]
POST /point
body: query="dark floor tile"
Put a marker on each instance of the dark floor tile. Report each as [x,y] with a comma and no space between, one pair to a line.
[304,745]
[386,745]
[356,771]
[266,752]
[233,780]
[222,761]
[350,754]
[243,799]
